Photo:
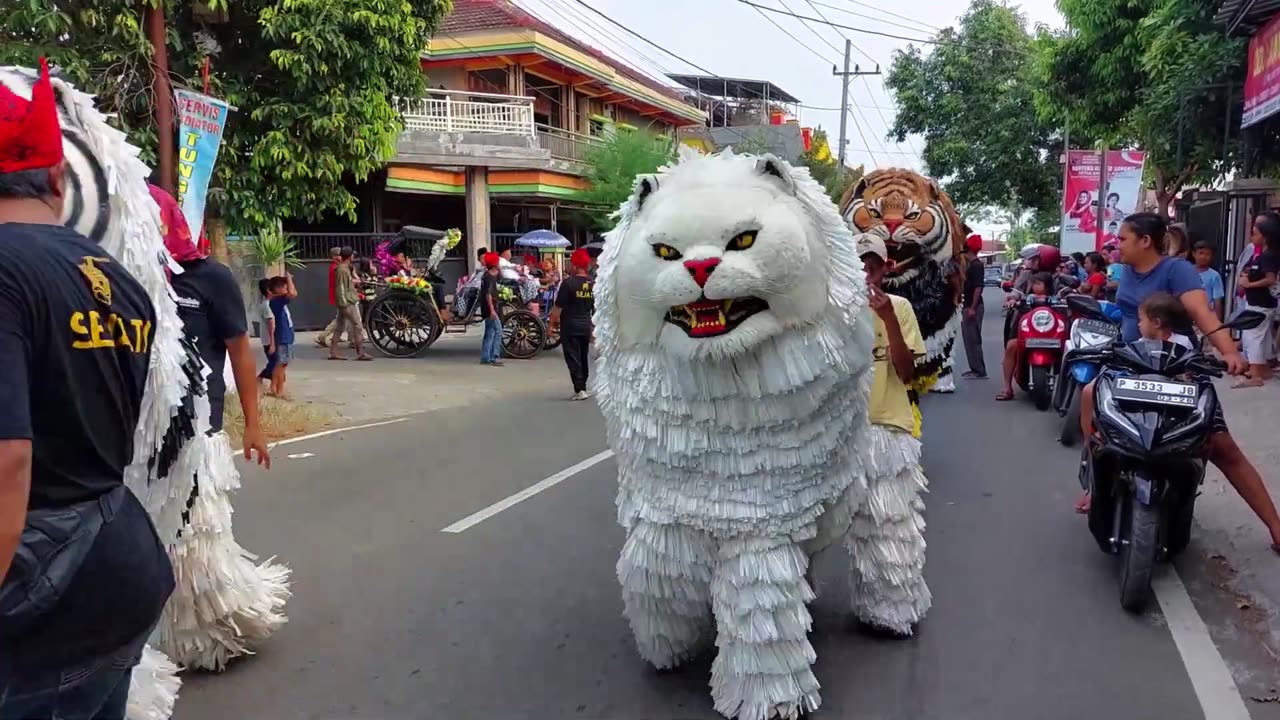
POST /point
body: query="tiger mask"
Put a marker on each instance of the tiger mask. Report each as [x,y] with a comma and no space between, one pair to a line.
[911,213]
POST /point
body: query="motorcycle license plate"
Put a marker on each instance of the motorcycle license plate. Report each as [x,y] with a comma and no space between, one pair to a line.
[1042,343]
[1158,392]
[1098,326]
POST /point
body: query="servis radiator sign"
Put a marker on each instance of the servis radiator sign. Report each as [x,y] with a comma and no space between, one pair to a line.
[1262,84]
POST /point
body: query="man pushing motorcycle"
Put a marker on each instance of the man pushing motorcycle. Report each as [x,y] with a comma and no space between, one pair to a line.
[1149,271]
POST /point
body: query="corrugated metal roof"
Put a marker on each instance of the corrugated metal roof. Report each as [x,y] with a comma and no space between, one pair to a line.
[738,88]
[1243,17]
[478,15]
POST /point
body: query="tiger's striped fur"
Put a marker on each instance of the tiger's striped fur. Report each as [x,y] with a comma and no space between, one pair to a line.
[922,233]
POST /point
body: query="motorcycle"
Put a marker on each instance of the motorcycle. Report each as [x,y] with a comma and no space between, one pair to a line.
[1088,331]
[1154,407]
[1041,331]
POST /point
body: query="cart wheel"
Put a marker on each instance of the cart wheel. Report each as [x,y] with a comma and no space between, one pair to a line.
[523,334]
[401,324]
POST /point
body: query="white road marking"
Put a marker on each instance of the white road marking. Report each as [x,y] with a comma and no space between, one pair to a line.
[299,456]
[335,431]
[1210,677]
[479,517]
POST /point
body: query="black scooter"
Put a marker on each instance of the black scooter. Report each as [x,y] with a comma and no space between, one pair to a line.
[1154,404]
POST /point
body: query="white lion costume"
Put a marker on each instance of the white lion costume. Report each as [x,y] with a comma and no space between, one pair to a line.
[734,347]
[108,202]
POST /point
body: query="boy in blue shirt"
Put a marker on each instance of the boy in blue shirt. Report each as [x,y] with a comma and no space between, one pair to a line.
[1212,281]
[282,291]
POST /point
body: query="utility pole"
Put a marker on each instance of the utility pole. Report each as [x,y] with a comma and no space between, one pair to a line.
[162,95]
[1104,187]
[1066,177]
[844,97]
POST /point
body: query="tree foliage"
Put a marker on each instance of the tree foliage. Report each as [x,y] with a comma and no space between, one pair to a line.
[822,166]
[1156,75]
[612,167]
[314,83]
[971,98]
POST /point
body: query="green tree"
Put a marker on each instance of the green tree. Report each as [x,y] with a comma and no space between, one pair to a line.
[314,83]
[822,166]
[971,98]
[612,167]
[1155,75]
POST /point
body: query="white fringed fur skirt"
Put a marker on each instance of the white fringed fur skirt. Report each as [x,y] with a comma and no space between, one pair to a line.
[224,601]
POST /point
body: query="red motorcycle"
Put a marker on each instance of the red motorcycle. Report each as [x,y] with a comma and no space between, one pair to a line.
[1041,335]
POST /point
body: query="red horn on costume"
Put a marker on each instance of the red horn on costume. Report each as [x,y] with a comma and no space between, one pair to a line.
[30,138]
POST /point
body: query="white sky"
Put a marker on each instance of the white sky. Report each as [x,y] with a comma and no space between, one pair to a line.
[732,39]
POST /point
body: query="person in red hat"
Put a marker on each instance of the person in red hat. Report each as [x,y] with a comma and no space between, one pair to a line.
[76,332]
[571,317]
[491,347]
[971,322]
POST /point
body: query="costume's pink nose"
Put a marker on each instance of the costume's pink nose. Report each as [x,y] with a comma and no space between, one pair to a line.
[701,269]
[892,225]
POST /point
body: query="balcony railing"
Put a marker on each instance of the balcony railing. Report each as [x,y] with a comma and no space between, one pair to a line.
[456,111]
[565,145]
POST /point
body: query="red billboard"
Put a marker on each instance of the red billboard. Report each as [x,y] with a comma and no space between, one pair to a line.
[1262,84]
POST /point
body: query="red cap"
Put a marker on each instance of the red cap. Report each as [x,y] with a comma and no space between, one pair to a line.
[491,259]
[974,243]
[580,258]
[30,138]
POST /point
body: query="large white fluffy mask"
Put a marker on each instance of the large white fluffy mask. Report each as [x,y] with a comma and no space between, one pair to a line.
[717,254]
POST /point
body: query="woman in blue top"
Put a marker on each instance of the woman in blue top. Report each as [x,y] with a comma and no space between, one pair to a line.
[1148,270]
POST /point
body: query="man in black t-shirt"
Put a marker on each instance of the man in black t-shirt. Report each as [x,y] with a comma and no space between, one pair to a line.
[213,318]
[971,322]
[575,302]
[75,344]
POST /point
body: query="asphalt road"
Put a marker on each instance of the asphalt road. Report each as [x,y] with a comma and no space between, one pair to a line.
[519,616]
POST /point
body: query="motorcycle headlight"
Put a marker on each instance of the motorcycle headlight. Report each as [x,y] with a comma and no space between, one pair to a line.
[1106,407]
[1082,338]
[1042,320]
[1195,420]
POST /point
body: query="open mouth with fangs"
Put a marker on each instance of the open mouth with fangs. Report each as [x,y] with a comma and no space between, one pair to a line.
[708,318]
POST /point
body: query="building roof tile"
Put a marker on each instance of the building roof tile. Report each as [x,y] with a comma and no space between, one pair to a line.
[479,15]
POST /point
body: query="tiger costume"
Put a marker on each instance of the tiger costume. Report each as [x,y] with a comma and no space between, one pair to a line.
[926,249]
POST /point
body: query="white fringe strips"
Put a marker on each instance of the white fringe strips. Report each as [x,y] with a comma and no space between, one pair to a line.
[732,469]
[224,602]
[133,237]
[887,537]
[153,688]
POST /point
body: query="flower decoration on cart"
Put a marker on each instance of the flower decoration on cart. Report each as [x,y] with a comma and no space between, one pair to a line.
[451,238]
[417,286]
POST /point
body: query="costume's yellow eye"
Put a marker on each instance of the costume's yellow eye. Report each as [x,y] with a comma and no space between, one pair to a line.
[666,252]
[913,215]
[742,241]
[874,212]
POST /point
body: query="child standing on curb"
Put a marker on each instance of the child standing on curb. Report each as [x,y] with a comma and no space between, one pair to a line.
[282,292]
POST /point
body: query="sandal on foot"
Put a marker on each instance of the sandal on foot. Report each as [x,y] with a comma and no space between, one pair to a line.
[365,358]
[336,357]
[1004,397]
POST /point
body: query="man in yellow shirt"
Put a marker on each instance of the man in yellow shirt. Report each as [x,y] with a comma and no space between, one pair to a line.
[890,595]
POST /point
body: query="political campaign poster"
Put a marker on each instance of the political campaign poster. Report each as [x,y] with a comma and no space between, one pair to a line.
[1083,227]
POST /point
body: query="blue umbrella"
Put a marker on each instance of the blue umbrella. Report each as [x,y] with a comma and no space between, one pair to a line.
[543,239]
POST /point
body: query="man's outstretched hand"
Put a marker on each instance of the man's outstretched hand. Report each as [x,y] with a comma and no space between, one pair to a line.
[253,440]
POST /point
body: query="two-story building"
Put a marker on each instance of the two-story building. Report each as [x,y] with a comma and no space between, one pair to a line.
[497,145]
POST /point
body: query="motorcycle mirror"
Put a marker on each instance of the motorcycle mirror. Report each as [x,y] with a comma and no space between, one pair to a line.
[1084,305]
[1246,320]
[1006,286]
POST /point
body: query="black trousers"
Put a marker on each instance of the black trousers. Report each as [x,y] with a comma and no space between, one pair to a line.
[577,348]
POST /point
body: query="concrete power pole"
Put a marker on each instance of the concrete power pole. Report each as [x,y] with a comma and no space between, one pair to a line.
[844,97]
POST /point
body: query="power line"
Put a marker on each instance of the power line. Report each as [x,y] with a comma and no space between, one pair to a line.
[916,22]
[793,37]
[866,83]
[573,16]
[690,63]
[925,41]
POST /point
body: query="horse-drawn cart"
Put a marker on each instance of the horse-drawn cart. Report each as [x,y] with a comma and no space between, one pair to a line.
[405,319]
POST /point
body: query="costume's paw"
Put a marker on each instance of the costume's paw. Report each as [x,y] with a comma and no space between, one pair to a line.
[883,632]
